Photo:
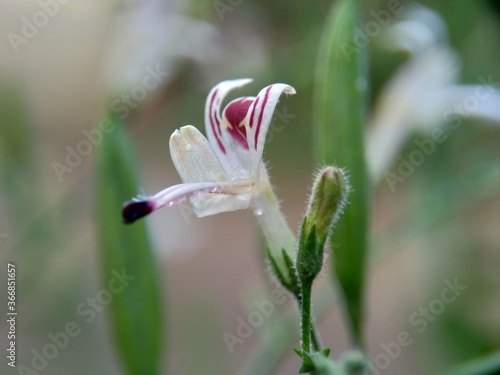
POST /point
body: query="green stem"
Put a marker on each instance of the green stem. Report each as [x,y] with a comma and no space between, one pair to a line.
[314,339]
[306,326]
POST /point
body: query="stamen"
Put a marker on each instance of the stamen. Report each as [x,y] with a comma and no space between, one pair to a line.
[135,210]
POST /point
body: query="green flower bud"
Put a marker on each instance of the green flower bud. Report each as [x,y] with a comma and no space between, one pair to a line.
[327,201]
[328,198]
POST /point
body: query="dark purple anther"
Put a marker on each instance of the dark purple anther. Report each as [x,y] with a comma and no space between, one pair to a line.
[133,211]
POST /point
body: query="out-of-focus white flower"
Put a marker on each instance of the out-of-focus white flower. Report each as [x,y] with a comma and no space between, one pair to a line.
[226,172]
[419,28]
[148,34]
[423,93]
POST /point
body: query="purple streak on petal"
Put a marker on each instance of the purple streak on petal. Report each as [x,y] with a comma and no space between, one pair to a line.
[261,114]
[215,123]
[235,114]
[253,112]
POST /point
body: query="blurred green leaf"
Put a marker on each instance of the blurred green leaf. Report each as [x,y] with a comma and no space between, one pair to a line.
[16,135]
[136,311]
[16,147]
[21,183]
[339,117]
[489,365]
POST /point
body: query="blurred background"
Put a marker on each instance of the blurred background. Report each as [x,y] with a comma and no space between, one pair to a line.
[65,65]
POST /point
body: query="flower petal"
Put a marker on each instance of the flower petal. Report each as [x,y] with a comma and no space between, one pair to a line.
[207,198]
[235,119]
[279,237]
[234,125]
[234,199]
[213,119]
[194,158]
[260,116]
[478,101]
[412,100]
[196,162]
[179,193]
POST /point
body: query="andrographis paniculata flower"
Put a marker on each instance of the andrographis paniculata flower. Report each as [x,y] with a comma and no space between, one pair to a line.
[226,172]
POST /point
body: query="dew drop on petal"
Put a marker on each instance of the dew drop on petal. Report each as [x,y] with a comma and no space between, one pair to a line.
[258,211]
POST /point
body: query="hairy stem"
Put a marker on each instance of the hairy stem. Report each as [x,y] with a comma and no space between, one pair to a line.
[306,326]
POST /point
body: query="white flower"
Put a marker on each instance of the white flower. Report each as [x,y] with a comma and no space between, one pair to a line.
[146,35]
[418,28]
[226,172]
[424,93]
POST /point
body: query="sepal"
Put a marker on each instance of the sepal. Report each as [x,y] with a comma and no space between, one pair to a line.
[290,281]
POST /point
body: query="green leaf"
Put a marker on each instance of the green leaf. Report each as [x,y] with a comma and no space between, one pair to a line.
[298,352]
[489,365]
[277,271]
[293,286]
[307,363]
[32,222]
[339,117]
[135,313]
[17,140]
[18,158]
[306,368]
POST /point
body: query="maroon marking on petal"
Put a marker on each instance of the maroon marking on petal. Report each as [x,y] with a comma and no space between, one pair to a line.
[221,146]
[259,122]
[234,114]
[216,115]
[133,211]
[239,134]
[213,114]
[236,111]
[214,121]
[253,112]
